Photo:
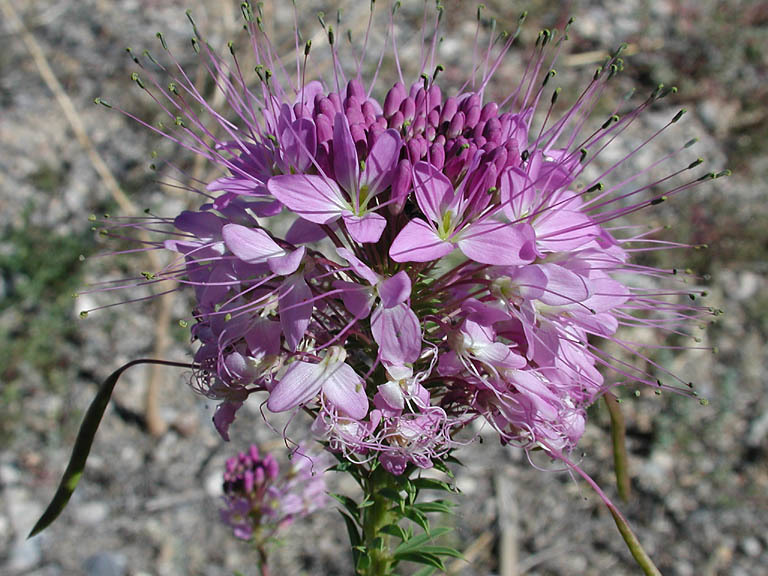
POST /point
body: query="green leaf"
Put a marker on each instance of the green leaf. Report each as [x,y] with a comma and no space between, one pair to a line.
[355,540]
[453,460]
[390,494]
[362,563]
[395,530]
[433,484]
[426,571]
[341,467]
[412,491]
[438,465]
[366,503]
[417,516]
[349,505]
[417,542]
[442,551]
[83,443]
[423,558]
[354,535]
[441,506]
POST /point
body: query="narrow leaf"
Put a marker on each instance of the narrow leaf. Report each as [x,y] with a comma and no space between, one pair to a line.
[424,558]
[432,484]
[391,494]
[442,551]
[438,465]
[395,530]
[354,535]
[355,540]
[417,516]
[417,542]
[441,506]
[83,443]
[349,505]
[426,571]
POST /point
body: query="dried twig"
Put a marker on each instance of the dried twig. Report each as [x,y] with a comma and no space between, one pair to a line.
[508,515]
[155,424]
[478,546]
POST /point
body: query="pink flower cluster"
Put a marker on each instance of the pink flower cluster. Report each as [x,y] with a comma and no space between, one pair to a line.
[258,497]
[444,258]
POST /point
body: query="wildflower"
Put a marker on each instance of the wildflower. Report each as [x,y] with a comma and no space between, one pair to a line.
[260,500]
[448,257]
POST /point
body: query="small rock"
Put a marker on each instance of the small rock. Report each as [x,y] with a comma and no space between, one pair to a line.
[5,529]
[105,564]
[213,485]
[22,510]
[90,513]
[758,431]
[9,475]
[25,554]
[751,546]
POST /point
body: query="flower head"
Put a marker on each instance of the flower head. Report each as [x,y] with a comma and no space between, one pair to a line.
[259,499]
[449,257]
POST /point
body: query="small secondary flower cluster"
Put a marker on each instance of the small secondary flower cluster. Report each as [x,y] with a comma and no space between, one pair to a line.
[447,259]
[258,498]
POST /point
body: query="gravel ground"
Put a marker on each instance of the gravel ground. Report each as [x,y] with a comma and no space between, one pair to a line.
[148,505]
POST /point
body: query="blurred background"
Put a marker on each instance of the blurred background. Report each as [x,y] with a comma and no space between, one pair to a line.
[148,501]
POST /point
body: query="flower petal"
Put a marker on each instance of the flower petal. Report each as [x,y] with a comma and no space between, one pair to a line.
[204,225]
[606,295]
[345,164]
[298,143]
[298,386]
[346,390]
[389,399]
[310,196]
[398,334]
[498,243]
[432,189]
[395,290]
[381,162]
[295,310]
[287,263]
[263,338]
[559,230]
[304,232]
[418,242]
[224,416]
[563,286]
[358,266]
[250,245]
[357,299]
[365,229]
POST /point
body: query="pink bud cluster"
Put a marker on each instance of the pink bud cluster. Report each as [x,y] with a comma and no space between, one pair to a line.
[258,497]
[447,258]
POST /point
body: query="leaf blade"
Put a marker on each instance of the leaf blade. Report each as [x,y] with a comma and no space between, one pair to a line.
[83,443]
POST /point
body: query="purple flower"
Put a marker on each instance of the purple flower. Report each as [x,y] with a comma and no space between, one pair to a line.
[260,499]
[448,257]
[449,211]
[337,381]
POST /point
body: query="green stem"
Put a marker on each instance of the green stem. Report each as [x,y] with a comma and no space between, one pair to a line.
[618,437]
[263,566]
[375,517]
